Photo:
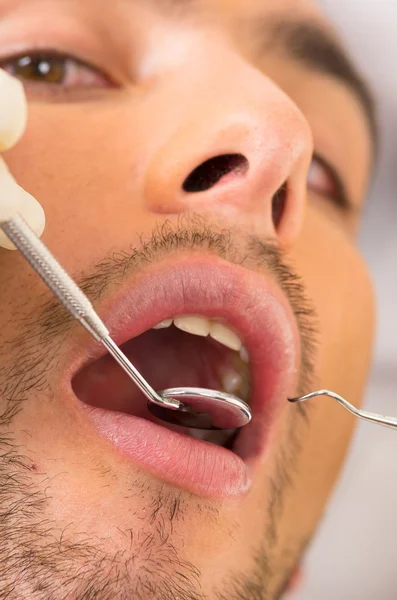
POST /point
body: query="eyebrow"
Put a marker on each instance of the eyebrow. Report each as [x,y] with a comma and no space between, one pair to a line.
[314,47]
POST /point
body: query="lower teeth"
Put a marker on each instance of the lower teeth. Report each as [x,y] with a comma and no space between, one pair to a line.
[236,379]
[218,438]
[232,381]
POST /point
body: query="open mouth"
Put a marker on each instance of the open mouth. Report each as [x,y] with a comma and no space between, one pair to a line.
[198,323]
[187,351]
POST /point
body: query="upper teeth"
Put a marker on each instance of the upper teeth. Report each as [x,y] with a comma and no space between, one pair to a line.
[163,324]
[202,326]
[195,325]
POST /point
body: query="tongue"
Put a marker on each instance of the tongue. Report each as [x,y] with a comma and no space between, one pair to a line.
[166,358]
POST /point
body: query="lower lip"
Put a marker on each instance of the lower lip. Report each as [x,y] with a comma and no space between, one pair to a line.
[195,465]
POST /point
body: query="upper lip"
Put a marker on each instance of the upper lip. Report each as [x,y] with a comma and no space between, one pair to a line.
[251,303]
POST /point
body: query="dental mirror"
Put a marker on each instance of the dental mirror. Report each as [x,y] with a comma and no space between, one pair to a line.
[198,408]
[188,407]
[202,409]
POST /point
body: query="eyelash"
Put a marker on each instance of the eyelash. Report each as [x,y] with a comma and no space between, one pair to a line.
[64,65]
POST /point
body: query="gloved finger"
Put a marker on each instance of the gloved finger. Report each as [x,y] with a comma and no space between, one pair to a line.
[15,200]
[13,110]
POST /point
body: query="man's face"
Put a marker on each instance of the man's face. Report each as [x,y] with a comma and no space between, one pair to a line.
[127,99]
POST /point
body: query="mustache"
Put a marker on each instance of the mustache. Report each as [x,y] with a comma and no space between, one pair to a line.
[41,333]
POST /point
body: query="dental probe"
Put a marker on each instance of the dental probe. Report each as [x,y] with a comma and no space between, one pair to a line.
[189,407]
[361,414]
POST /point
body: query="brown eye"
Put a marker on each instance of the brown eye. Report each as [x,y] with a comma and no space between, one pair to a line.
[47,68]
[36,68]
[324,180]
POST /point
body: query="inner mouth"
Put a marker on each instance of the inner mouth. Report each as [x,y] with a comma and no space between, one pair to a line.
[188,351]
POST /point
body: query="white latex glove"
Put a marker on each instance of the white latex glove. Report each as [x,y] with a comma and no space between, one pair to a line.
[13,199]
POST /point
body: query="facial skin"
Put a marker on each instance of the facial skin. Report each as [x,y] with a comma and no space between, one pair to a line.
[107,163]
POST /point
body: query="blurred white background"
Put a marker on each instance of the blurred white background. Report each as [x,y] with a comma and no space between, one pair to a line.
[354,556]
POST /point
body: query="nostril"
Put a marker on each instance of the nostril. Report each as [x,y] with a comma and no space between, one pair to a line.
[278,204]
[210,172]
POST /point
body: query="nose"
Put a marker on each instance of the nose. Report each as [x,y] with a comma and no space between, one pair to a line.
[237,147]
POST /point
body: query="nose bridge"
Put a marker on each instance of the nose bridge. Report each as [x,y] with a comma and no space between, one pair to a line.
[238,133]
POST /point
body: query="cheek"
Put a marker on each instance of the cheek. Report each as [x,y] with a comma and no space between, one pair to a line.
[85,173]
[338,282]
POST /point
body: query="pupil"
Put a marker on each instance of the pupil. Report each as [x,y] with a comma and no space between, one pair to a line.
[41,69]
